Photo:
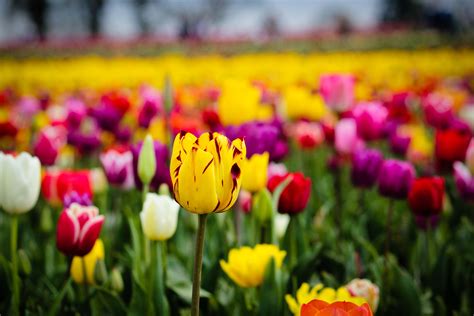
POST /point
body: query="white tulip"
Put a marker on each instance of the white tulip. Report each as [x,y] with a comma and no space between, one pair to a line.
[159,216]
[20,182]
[281,224]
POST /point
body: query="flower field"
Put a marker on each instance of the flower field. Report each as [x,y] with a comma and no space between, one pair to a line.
[336,183]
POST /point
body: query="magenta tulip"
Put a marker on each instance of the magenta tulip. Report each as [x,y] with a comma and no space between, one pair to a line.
[370,118]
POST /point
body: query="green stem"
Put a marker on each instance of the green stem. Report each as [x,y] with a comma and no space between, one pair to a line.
[85,278]
[198,264]
[389,228]
[162,307]
[338,202]
[146,189]
[15,308]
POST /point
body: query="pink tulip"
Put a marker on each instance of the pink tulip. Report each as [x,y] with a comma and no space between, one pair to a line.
[370,118]
[346,140]
[438,110]
[78,229]
[308,135]
[337,91]
[49,142]
[118,168]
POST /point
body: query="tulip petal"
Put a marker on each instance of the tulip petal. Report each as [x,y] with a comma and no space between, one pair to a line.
[67,234]
[89,234]
[194,186]
[313,307]
[182,145]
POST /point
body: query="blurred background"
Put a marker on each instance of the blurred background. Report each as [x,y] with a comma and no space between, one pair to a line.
[28,21]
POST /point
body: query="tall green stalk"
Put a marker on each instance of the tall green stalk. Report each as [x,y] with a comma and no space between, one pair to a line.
[198,264]
[15,306]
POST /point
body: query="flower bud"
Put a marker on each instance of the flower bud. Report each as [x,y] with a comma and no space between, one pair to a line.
[147,161]
[24,261]
[262,206]
[116,281]
[100,272]
[164,189]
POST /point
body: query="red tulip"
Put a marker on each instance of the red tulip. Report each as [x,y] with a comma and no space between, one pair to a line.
[426,200]
[57,184]
[78,229]
[295,196]
[322,308]
[426,196]
[450,146]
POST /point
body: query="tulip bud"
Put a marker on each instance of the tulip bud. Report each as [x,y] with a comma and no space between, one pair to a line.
[46,221]
[25,264]
[262,206]
[147,161]
[100,272]
[116,281]
[164,189]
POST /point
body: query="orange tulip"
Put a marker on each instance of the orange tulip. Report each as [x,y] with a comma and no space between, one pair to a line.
[322,308]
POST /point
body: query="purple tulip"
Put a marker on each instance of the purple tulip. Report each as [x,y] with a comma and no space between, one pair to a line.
[162,174]
[395,178]
[118,168]
[337,91]
[87,138]
[106,116]
[464,180]
[261,137]
[366,164]
[399,142]
[370,118]
[76,112]
[74,197]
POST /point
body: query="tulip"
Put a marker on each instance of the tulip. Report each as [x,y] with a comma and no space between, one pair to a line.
[295,196]
[76,112]
[281,224]
[300,103]
[74,197]
[88,264]
[118,168]
[342,308]
[56,184]
[370,119]
[78,229]
[276,169]
[20,179]
[147,161]
[365,167]
[245,201]
[426,199]
[308,135]
[464,179]
[366,289]
[399,141]
[450,146]
[159,216]
[206,171]
[107,117]
[395,178]
[254,172]
[398,106]
[246,266]
[346,139]
[48,144]
[438,110]
[152,105]
[261,137]
[337,91]
[306,294]
[162,174]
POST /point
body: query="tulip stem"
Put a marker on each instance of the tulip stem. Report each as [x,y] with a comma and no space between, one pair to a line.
[84,279]
[389,228]
[338,202]
[15,308]
[198,264]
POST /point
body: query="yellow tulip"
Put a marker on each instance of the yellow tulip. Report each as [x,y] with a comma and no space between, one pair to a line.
[305,294]
[300,103]
[77,268]
[254,172]
[206,171]
[240,102]
[246,266]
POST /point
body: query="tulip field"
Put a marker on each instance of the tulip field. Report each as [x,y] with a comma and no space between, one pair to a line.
[336,183]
